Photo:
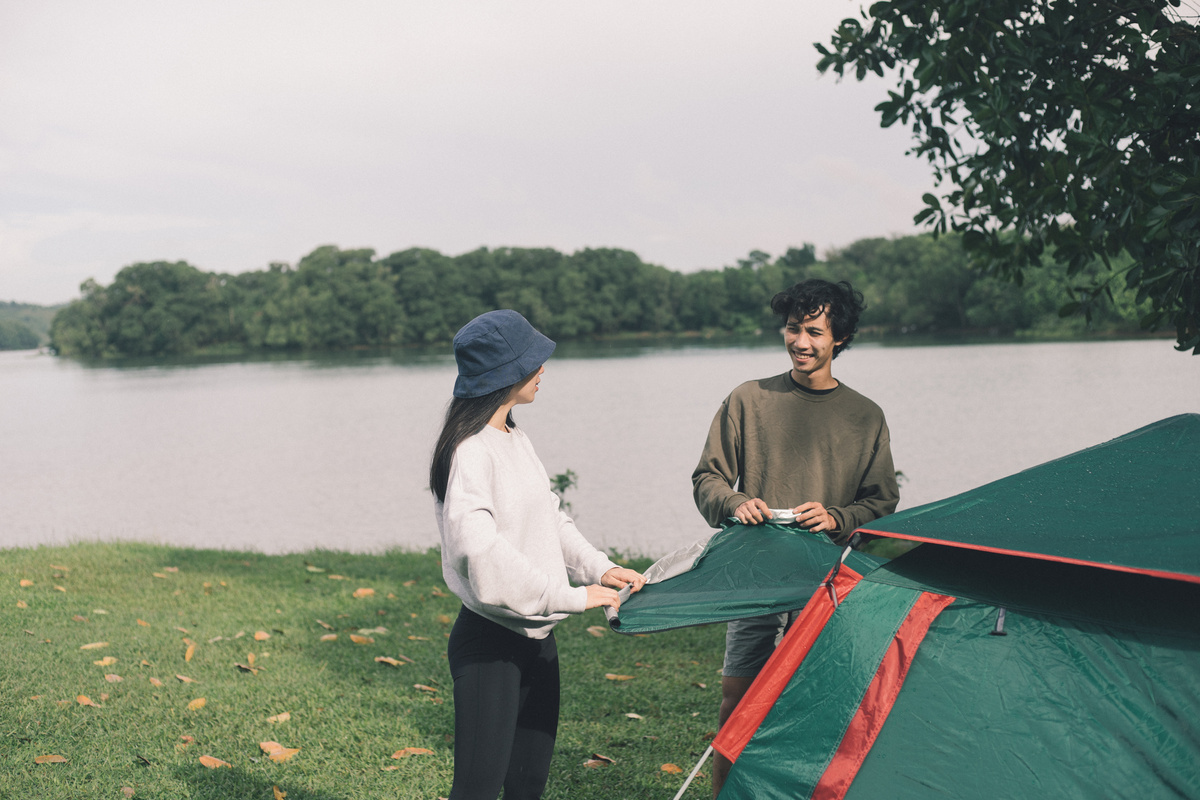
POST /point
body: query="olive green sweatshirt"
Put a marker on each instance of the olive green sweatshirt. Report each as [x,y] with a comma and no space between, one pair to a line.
[772,440]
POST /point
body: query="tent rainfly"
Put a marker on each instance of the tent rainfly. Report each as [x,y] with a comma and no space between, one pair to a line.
[1042,641]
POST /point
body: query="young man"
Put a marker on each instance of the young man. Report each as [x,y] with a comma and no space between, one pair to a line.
[801,441]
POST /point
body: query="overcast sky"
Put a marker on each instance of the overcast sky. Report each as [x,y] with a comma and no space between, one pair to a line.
[234,134]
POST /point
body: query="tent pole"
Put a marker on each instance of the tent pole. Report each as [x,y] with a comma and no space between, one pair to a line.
[695,769]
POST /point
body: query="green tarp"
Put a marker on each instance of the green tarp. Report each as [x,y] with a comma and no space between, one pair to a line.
[1131,503]
[1092,692]
[746,571]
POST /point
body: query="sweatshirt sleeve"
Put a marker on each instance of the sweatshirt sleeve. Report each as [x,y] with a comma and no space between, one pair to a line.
[585,564]
[717,474]
[878,493]
[501,577]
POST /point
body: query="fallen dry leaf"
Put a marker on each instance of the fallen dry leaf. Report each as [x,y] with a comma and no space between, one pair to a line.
[409,583]
[60,588]
[671,768]
[171,569]
[84,700]
[155,682]
[338,578]
[158,575]
[26,583]
[597,630]
[329,637]
[311,568]
[93,646]
[191,651]
[127,791]
[700,685]
[261,636]
[388,660]
[250,659]
[187,740]
[598,760]
[423,687]
[247,668]
[214,763]
[284,717]
[632,715]
[354,637]
[325,625]
[436,592]
[612,676]
[143,623]
[419,638]
[196,704]
[390,768]
[113,678]
[107,661]
[279,793]
[363,592]
[103,697]
[78,618]
[277,752]
[22,604]
[185,678]
[412,751]
[51,759]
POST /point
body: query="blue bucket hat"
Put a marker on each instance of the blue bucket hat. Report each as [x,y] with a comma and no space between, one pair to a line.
[495,350]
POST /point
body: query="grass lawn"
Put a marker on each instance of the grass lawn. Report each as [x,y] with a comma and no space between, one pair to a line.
[108,650]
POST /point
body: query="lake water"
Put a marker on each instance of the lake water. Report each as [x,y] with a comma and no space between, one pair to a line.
[332,452]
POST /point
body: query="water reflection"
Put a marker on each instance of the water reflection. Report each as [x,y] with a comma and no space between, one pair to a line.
[286,453]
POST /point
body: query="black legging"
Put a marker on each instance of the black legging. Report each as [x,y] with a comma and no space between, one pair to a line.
[505,710]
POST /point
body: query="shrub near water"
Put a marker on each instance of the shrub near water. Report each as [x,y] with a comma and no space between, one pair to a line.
[300,675]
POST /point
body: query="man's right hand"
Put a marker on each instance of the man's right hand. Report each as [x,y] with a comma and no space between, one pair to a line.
[752,512]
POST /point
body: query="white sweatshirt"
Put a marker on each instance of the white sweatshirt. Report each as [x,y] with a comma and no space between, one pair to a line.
[508,550]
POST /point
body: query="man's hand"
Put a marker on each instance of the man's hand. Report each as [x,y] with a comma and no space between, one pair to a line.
[814,517]
[752,512]
[618,577]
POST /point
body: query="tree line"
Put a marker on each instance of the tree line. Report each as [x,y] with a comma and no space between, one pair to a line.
[339,299]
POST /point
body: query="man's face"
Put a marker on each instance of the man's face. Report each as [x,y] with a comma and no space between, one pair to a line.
[810,344]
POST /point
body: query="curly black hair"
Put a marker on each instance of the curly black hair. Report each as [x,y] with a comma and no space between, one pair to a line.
[840,302]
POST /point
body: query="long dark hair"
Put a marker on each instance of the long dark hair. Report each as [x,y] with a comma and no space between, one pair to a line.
[465,417]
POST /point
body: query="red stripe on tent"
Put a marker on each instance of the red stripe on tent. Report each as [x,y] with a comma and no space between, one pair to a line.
[1156,573]
[777,672]
[879,698]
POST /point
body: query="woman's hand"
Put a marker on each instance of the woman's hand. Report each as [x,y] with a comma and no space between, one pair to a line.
[598,595]
[618,577]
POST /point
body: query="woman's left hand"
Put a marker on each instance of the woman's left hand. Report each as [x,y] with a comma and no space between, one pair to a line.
[618,577]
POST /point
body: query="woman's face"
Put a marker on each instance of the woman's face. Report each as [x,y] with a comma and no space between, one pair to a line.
[524,391]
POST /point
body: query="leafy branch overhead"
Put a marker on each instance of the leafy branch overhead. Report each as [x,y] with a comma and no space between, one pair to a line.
[1060,130]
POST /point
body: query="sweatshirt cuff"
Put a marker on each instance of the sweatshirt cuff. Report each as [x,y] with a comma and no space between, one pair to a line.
[575,600]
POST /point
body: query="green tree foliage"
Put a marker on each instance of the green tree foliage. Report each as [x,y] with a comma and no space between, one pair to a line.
[24,326]
[1067,131]
[16,336]
[338,299]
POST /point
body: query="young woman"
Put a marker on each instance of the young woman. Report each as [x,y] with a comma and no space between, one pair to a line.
[510,554]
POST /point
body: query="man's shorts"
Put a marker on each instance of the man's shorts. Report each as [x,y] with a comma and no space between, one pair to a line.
[750,642]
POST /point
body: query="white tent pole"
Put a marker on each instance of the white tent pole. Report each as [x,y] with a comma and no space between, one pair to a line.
[695,769]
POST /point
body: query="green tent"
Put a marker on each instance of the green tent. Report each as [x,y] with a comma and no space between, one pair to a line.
[1042,641]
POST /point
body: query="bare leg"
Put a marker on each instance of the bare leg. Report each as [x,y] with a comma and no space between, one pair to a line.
[732,691]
